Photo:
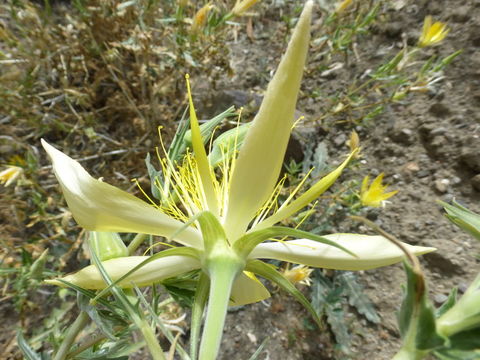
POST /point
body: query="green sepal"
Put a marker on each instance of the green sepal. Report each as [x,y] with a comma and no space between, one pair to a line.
[463,218]
[448,304]
[213,234]
[177,251]
[199,303]
[107,245]
[416,318]
[248,242]
[268,272]
[466,340]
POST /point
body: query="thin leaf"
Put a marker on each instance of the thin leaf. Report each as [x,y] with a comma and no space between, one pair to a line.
[166,332]
[448,304]
[267,271]
[257,353]
[27,351]
[104,327]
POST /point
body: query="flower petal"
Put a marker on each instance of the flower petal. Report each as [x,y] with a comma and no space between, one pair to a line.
[371,251]
[98,206]
[155,271]
[247,289]
[261,155]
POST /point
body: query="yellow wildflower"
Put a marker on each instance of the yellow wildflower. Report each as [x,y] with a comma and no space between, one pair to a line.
[241,6]
[201,17]
[10,174]
[374,194]
[299,274]
[432,33]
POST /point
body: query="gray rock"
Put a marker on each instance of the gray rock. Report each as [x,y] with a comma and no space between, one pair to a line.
[439,299]
[340,140]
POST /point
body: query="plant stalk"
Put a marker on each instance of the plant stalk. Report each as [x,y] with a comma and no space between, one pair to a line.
[80,322]
[151,340]
[222,276]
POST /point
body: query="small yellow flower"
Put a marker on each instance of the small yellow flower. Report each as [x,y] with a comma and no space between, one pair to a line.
[299,274]
[201,17]
[374,195]
[10,174]
[432,33]
[241,6]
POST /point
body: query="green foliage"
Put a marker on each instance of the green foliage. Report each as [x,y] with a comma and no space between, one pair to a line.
[329,297]
[416,318]
[463,218]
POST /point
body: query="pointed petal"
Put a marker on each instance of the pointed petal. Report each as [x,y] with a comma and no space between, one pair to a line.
[247,289]
[204,169]
[371,251]
[98,206]
[307,197]
[155,271]
[261,155]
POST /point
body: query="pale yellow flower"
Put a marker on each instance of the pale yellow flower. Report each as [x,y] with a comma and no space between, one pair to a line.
[10,174]
[299,274]
[374,194]
[432,33]
[241,6]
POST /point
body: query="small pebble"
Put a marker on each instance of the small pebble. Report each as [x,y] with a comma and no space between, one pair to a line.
[440,298]
[441,185]
[423,173]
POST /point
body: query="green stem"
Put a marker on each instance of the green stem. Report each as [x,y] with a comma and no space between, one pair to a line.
[144,327]
[198,307]
[222,274]
[80,322]
[151,340]
[136,242]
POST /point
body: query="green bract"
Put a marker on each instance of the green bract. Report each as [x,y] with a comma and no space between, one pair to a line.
[224,223]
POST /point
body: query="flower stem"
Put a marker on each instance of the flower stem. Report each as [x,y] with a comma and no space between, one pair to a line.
[151,340]
[80,322]
[222,276]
